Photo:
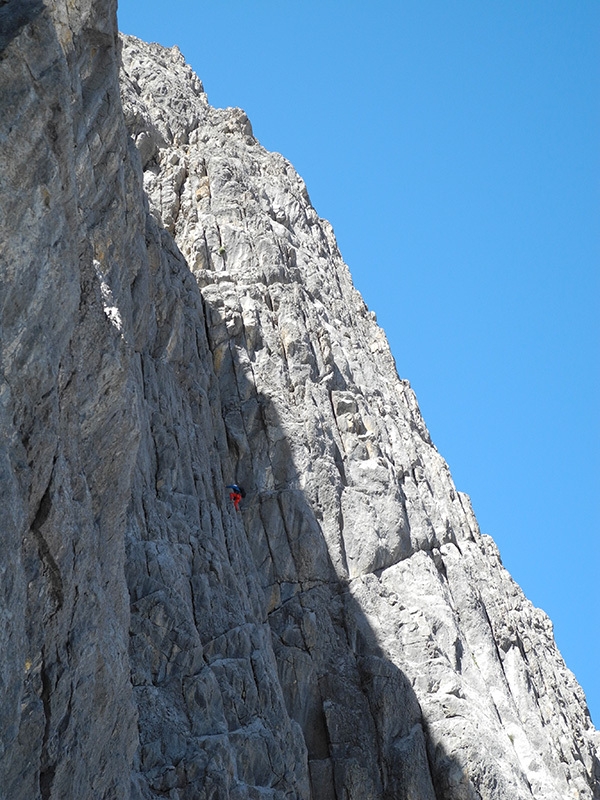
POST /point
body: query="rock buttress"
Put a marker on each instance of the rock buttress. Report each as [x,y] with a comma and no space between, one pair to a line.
[413,664]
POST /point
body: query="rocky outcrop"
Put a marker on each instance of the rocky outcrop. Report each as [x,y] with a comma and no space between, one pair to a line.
[175,318]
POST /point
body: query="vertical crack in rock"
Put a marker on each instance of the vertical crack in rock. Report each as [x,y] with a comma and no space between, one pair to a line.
[52,568]
[47,768]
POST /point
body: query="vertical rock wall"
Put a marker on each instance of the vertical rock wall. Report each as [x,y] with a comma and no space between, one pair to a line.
[69,421]
[175,317]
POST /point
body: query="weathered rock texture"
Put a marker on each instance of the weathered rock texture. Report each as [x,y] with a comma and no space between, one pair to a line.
[175,317]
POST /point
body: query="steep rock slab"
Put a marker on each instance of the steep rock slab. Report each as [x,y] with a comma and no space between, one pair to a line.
[408,597]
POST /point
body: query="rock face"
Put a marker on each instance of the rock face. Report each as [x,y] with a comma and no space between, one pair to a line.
[174,318]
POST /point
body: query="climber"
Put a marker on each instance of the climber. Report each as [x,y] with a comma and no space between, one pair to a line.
[236,494]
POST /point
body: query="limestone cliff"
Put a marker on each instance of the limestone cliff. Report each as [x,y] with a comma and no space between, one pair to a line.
[174,318]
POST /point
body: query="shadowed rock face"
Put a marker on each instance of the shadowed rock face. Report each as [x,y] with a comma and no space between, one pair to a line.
[174,317]
[14,15]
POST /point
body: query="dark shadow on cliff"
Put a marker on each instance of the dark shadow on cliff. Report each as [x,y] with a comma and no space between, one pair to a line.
[362,723]
[14,15]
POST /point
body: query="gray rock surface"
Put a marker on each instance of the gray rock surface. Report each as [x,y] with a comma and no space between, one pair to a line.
[174,317]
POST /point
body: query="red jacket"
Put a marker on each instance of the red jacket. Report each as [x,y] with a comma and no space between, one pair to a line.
[236,499]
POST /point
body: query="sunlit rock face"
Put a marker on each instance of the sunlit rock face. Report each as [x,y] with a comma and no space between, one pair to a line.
[175,318]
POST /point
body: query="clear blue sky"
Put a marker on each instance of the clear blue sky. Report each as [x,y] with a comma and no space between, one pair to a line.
[455,147]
